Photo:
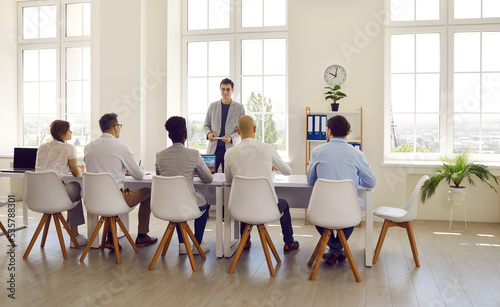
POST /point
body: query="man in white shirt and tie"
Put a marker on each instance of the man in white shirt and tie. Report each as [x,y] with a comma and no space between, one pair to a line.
[107,154]
[252,158]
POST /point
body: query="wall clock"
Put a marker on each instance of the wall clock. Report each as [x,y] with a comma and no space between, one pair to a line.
[335,75]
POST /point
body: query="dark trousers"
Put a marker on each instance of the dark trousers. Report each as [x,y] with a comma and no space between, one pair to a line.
[285,221]
[334,242]
[199,225]
[219,157]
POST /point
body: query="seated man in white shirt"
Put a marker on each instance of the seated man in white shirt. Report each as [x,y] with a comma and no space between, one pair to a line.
[107,154]
[338,160]
[252,158]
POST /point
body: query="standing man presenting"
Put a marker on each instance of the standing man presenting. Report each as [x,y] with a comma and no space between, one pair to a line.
[338,160]
[220,123]
[107,154]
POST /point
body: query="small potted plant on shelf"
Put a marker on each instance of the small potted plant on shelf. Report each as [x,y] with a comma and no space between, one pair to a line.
[455,171]
[334,94]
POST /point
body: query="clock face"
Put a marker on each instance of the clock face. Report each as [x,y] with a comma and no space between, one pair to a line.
[335,75]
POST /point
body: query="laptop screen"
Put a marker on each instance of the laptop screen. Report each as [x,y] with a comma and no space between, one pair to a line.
[24,158]
[209,162]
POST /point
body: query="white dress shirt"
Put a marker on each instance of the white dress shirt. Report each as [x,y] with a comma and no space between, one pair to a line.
[107,154]
[55,156]
[252,158]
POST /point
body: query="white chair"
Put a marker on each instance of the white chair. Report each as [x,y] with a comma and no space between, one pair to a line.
[102,196]
[5,232]
[172,200]
[45,193]
[252,201]
[333,205]
[400,217]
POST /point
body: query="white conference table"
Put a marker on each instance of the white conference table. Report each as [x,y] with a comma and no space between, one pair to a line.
[293,188]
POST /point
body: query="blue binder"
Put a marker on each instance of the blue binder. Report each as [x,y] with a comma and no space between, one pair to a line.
[323,127]
[317,127]
[310,127]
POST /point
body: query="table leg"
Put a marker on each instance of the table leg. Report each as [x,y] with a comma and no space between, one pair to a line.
[219,195]
[369,228]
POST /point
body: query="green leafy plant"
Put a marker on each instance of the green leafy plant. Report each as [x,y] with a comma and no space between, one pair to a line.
[455,171]
[334,93]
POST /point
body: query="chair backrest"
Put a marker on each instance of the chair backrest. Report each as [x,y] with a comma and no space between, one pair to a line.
[412,205]
[252,200]
[172,199]
[102,196]
[44,192]
[334,204]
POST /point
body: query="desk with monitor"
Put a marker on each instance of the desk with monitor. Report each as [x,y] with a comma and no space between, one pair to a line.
[294,188]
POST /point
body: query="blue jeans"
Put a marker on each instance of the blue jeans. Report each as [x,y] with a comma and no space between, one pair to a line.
[285,221]
[199,225]
[334,242]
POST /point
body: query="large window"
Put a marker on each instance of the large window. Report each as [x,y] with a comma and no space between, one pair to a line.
[245,41]
[54,69]
[443,94]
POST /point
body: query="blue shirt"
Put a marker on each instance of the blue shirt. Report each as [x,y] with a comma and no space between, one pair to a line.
[338,160]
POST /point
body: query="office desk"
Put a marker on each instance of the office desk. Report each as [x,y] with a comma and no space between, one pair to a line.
[293,188]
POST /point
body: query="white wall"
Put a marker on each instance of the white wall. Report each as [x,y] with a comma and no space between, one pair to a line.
[125,46]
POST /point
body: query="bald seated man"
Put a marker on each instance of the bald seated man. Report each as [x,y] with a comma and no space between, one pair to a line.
[251,158]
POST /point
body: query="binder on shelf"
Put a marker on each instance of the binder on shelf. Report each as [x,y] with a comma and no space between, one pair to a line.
[310,127]
[323,127]
[317,129]
[356,145]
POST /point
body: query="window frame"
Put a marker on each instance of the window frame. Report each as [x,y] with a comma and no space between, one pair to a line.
[60,43]
[234,35]
[449,27]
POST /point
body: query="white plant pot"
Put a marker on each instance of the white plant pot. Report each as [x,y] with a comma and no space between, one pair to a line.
[457,195]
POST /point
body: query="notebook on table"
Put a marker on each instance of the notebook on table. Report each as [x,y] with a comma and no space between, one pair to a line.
[24,160]
[209,162]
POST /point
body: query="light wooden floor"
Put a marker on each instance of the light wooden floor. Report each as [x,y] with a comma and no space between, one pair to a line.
[456,270]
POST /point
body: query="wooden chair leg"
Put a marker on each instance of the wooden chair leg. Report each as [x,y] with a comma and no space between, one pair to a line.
[188,246]
[271,245]
[239,250]
[411,237]
[160,246]
[325,237]
[263,240]
[316,250]
[125,231]
[7,235]
[35,235]
[105,231]
[169,239]
[45,230]
[61,238]
[92,238]
[195,242]
[381,238]
[347,250]
[112,223]
[66,226]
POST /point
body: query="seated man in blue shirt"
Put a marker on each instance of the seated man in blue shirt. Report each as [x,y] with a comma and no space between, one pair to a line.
[338,160]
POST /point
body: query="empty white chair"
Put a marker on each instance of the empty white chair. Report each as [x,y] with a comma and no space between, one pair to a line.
[334,205]
[101,196]
[5,232]
[45,193]
[400,217]
[252,201]
[172,200]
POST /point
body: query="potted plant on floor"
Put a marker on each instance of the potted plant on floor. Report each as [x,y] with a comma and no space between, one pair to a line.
[334,94]
[454,171]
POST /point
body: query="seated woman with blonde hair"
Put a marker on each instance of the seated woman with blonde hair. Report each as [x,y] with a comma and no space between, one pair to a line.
[60,157]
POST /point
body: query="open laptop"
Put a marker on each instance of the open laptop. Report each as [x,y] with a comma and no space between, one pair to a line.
[24,160]
[209,162]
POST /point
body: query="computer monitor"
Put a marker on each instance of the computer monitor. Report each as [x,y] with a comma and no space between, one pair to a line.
[209,162]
